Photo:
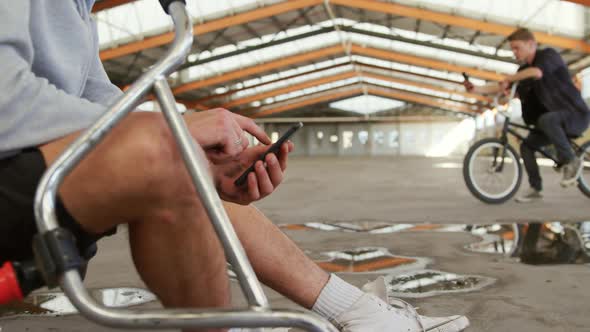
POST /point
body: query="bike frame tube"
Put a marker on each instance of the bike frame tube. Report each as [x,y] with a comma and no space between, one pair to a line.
[508,130]
[71,282]
[186,318]
[198,170]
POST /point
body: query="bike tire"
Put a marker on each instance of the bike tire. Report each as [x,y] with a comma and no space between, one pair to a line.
[468,172]
[584,180]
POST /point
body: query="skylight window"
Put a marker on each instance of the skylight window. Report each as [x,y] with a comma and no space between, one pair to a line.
[367,104]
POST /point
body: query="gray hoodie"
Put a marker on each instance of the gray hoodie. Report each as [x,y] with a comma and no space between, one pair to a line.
[52,82]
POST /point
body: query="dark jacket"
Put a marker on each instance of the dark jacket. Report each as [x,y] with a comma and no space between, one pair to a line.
[554,92]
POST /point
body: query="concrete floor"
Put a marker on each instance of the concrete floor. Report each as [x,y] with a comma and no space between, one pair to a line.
[401,190]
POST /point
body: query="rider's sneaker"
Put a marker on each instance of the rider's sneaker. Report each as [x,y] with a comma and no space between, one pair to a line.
[571,172]
[530,195]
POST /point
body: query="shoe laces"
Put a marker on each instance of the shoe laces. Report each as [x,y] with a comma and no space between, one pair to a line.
[404,308]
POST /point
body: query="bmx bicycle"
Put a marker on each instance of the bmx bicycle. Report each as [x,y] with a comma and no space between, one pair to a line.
[492,169]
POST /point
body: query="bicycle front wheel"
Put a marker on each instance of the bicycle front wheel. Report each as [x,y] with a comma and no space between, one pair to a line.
[492,171]
[584,180]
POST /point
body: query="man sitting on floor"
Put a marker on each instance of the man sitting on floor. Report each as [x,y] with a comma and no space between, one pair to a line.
[54,86]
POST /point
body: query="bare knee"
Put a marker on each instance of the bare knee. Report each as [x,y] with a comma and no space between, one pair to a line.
[135,172]
[154,158]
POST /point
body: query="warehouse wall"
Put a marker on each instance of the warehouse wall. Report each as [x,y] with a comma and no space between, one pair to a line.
[432,138]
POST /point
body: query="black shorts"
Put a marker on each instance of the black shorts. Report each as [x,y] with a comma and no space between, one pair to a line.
[19,177]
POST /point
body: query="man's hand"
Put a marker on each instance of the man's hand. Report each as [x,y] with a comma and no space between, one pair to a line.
[504,86]
[221,133]
[261,183]
[468,86]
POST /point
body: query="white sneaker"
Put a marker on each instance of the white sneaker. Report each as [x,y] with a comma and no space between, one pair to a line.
[371,313]
[571,172]
[530,195]
[376,287]
[280,329]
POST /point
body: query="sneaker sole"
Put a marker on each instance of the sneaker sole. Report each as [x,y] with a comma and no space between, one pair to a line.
[457,324]
[571,182]
[568,183]
[528,200]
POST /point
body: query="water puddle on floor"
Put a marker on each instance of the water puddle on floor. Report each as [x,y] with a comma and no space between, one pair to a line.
[368,259]
[373,227]
[495,239]
[536,243]
[426,283]
[531,243]
[57,304]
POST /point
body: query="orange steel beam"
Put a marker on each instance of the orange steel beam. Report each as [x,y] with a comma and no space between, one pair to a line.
[343,76]
[210,26]
[291,88]
[309,101]
[418,99]
[378,6]
[426,86]
[106,4]
[407,72]
[464,22]
[257,69]
[380,91]
[247,111]
[424,62]
[231,92]
[580,2]
[190,104]
[337,49]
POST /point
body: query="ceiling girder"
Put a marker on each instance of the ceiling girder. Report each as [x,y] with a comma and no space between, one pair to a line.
[106,4]
[357,89]
[371,5]
[335,50]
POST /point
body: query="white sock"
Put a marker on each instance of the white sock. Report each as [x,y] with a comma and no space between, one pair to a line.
[335,298]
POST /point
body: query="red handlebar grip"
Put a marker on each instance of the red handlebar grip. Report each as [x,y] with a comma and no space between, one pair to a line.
[9,287]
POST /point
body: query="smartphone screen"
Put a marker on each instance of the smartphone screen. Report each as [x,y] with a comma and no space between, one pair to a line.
[274,148]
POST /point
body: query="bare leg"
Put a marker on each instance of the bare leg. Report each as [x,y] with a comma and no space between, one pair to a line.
[277,261]
[136,176]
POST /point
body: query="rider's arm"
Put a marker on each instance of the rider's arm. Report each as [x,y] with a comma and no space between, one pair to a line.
[490,88]
[32,109]
[530,72]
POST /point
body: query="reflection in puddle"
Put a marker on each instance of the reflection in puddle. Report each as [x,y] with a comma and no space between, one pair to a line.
[368,259]
[430,282]
[373,227]
[56,303]
[585,234]
[499,239]
[537,243]
[533,243]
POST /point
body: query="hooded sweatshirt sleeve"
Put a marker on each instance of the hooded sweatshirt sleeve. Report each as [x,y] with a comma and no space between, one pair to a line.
[99,88]
[34,110]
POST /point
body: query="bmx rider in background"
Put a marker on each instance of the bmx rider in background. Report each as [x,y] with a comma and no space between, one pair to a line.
[550,101]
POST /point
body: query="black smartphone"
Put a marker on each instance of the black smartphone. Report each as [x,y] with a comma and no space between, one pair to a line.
[274,148]
[465,76]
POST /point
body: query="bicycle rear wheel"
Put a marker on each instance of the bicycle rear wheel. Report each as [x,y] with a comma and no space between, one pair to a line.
[584,180]
[491,171]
